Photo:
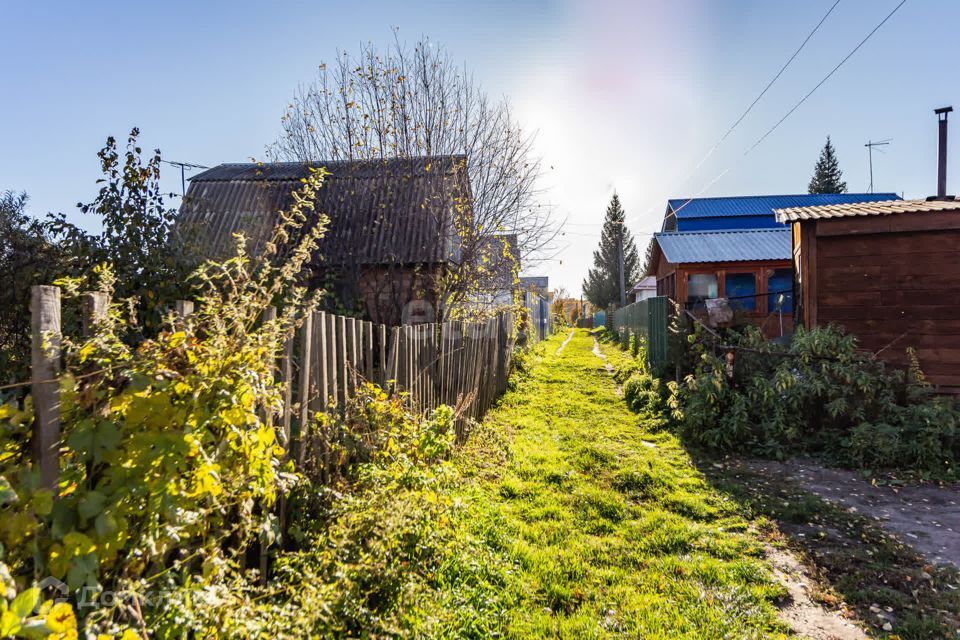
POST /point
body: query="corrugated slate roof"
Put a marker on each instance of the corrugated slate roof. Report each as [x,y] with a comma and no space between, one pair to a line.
[866,209]
[381,211]
[743,245]
[764,205]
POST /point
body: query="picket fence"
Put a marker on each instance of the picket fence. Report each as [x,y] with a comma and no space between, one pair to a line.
[457,363]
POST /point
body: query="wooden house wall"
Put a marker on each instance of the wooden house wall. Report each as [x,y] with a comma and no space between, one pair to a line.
[672,282]
[893,282]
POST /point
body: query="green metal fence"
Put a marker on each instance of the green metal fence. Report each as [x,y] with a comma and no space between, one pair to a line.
[648,319]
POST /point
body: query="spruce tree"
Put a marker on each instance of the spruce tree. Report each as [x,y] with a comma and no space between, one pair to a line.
[827,176]
[602,285]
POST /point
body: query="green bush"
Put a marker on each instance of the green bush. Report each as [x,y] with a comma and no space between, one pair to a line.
[644,393]
[819,395]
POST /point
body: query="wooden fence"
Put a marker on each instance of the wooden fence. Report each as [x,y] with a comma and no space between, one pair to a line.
[461,364]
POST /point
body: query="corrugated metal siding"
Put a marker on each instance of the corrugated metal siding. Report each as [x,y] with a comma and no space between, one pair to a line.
[398,211]
[765,205]
[723,224]
[681,247]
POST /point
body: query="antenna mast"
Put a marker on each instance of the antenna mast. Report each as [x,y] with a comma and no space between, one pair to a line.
[870,145]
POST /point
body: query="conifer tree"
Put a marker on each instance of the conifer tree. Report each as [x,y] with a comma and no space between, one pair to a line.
[602,285]
[827,176]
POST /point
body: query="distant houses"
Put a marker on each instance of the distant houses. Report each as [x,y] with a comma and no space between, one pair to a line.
[734,251]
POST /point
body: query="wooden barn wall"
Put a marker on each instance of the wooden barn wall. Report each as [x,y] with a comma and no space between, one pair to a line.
[893,291]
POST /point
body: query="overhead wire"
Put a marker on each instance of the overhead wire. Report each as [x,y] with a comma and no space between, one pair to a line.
[793,108]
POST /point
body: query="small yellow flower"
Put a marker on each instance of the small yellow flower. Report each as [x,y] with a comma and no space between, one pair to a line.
[61,619]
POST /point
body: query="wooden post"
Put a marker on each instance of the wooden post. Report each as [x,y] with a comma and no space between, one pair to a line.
[269,315]
[184,308]
[382,335]
[342,365]
[352,355]
[331,359]
[286,376]
[323,381]
[94,306]
[45,371]
[368,350]
[391,368]
[306,353]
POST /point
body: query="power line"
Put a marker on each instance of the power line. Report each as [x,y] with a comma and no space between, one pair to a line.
[793,108]
[767,88]
[743,115]
[827,77]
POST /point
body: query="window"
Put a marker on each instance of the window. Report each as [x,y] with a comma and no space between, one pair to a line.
[741,290]
[780,281]
[700,287]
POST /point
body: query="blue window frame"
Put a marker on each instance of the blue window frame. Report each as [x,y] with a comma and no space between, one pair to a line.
[741,290]
[780,282]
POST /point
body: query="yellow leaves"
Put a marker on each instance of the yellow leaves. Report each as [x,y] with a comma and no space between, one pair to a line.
[237,416]
[206,481]
[193,444]
[176,339]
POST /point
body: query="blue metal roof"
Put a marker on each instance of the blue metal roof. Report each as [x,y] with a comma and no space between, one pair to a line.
[764,205]
[739,245]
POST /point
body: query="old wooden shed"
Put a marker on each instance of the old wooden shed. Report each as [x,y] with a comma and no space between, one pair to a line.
[888,272]
[392,232]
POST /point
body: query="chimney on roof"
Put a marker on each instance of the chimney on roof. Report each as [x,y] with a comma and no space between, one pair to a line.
[942,152]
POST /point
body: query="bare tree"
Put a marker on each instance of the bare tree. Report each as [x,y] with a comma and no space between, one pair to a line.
[404,102]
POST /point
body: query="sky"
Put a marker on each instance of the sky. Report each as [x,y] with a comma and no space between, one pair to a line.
[621,96]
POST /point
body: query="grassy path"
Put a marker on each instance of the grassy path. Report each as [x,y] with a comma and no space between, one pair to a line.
[608,529]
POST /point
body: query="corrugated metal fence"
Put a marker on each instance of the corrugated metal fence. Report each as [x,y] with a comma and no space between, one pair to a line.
[648,319]
[538,308]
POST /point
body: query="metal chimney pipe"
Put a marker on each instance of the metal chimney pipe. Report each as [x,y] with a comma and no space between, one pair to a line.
[942,151]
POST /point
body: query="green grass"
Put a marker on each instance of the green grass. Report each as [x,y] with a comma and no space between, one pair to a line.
[581,523]
[858,566]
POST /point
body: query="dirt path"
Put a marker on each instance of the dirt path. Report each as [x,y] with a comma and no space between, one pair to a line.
[925,518]
[800,611]
[566,342]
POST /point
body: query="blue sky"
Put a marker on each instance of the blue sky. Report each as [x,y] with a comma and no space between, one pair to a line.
[622,95]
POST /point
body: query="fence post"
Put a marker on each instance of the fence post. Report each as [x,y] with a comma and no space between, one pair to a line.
[382,334]
[306,348]
[93,309]
[368,349]
[45,372]
[184,308]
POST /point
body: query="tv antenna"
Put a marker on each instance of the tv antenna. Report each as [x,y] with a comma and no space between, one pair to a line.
[184,166]
[870,145]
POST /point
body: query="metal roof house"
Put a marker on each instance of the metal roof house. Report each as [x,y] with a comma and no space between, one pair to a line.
[735,248]
[749,212]
[391,232]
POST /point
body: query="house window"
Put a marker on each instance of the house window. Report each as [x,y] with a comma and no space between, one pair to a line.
[780,281]
[741,290]
[700,287]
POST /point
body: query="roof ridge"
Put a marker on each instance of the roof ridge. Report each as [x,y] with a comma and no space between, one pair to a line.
[786,195]
[743,230]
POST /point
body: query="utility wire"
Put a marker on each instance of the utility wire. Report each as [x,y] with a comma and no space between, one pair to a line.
[827,77]
[743,115]
[794,107]
[766,88]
